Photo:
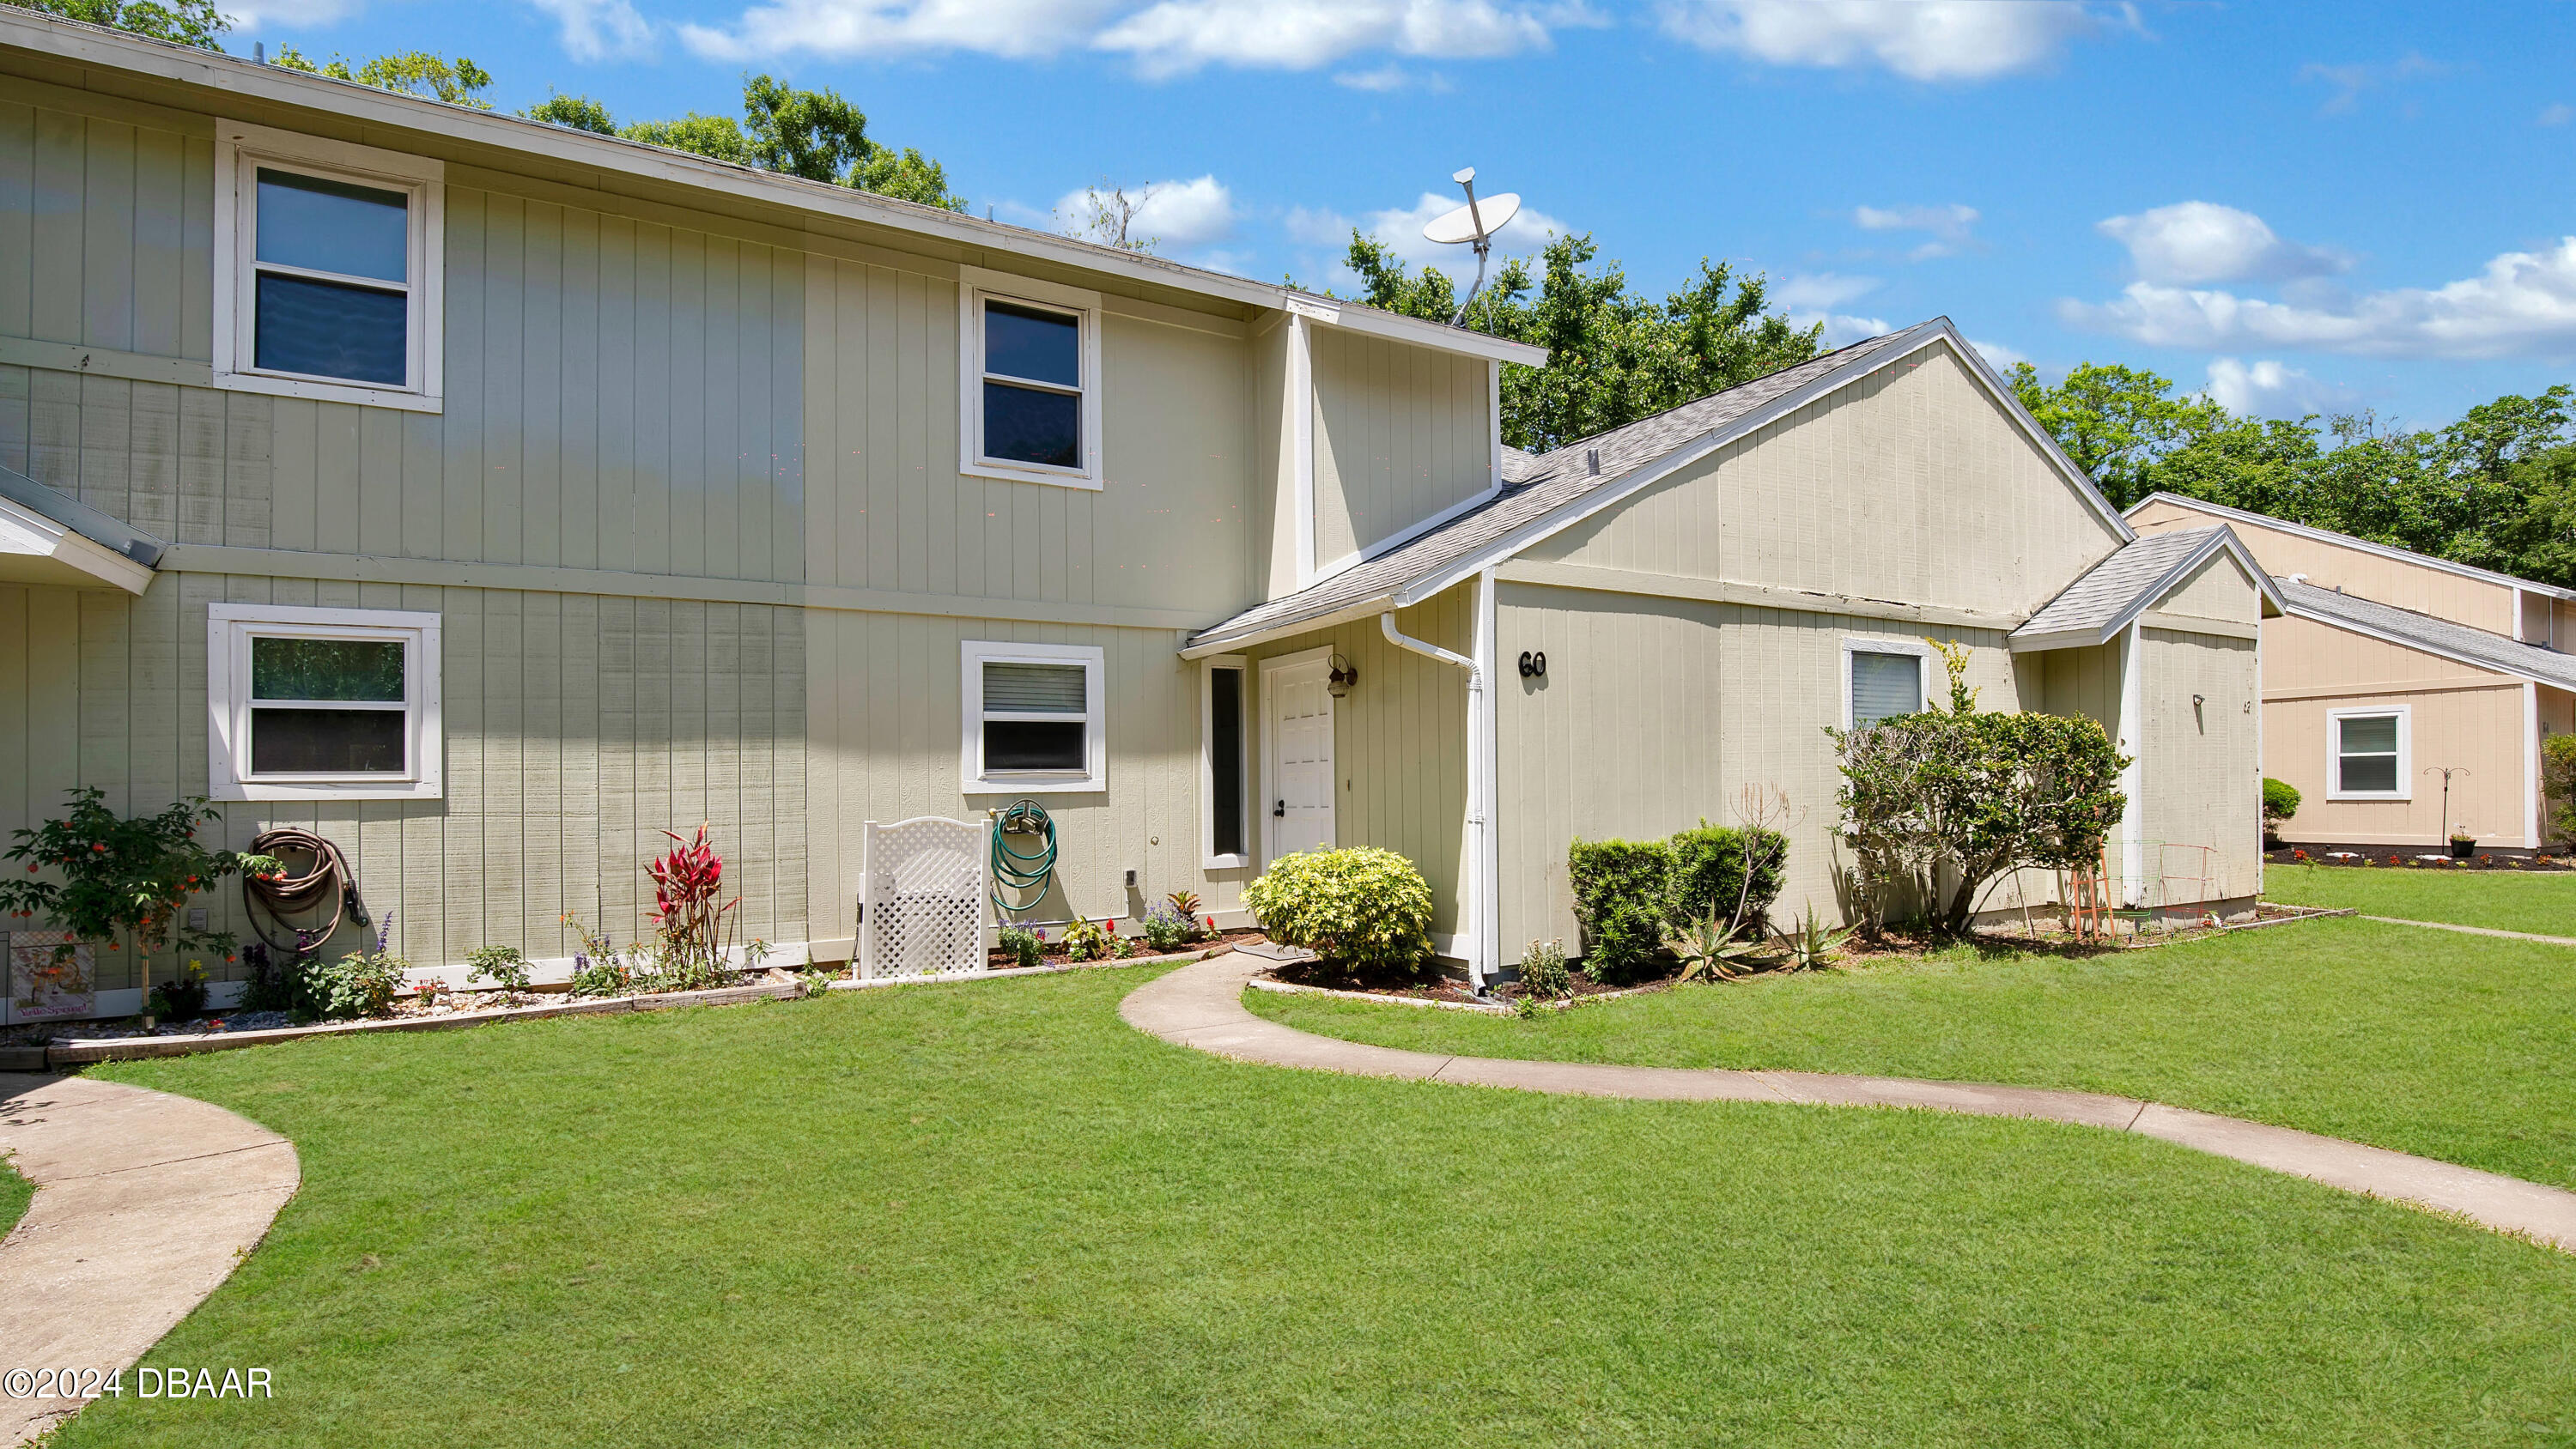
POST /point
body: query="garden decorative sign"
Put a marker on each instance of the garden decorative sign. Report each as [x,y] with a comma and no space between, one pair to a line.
[48,983]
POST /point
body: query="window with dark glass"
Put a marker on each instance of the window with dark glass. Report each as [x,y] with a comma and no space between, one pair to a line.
[1225,762]
[1884,686]
[1036,718]
[2366,753]
[328,706]
[1032,385]
[331,279]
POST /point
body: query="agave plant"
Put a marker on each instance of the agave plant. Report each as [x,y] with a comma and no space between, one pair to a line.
[1813,945]
[1710,951]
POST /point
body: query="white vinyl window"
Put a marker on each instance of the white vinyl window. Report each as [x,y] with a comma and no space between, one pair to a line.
[1882,679]
[1225,734]
[1030,382]
[322,704]
[1033,718]
[328,263]
[2368,754]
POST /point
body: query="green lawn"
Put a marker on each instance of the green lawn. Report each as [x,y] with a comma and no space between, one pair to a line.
[2540,903]
[2451,1046]
[995,1214]
[15,1192]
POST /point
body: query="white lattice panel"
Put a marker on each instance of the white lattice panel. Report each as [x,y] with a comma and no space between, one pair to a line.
[925,884]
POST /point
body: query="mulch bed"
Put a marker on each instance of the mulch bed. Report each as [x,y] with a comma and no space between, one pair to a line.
[2418,857]
[1055,954]
[1447,988]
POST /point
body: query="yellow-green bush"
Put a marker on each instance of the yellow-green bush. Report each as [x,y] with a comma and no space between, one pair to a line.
[1361,908]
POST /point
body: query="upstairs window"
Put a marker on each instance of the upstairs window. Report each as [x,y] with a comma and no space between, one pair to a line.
[1031,383]
[330,255]
[322,703]
[1033,718]
[2367,754]
[1880,681]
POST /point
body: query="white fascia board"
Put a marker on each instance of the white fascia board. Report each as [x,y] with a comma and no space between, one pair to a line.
[186,65]
[2358,545]
[2418,645]
[1374,604]
[25,531]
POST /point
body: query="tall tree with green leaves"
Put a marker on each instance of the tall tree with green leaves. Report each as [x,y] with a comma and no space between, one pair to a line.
[459,82]
[1615,354]
[186,22]
[815,134]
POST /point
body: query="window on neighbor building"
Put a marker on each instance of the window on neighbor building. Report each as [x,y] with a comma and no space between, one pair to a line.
[1031,385]
[1033,718]
[1884,683]
[1223,779]
[2368,750]
[333,251]
[322,703]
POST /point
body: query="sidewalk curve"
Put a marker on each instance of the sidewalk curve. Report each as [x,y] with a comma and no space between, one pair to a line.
[144,1203]
[1202,1006]
[2474,930]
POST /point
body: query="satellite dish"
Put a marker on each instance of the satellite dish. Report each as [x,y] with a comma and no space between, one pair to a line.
[1473,225]
[1475,221]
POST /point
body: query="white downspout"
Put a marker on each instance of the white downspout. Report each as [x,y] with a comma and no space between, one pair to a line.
[1478,924]
[2133,780]
[2531,765]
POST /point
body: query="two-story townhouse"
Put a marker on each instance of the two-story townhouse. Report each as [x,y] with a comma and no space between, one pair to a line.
[488,497]
[2391,667]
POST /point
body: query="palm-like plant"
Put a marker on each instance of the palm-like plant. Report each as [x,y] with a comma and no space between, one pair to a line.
[1710,951]
[1813,945]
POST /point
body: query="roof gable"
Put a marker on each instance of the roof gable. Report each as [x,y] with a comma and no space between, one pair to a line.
[2115,592]
[2346,540]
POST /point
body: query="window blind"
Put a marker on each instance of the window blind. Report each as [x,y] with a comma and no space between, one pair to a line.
[1034,689]
[1884,685]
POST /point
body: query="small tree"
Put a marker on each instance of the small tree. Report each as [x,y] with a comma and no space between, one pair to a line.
[2558,776]
[2280,802]
[1943,804]
[124,880]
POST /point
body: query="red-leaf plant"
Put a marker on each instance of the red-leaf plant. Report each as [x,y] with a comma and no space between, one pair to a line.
[695,925]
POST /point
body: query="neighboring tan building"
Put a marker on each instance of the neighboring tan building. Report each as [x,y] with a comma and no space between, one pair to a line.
[487,496]
[2391,666]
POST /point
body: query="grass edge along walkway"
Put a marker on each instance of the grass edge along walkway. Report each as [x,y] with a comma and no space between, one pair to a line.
[1201,1006]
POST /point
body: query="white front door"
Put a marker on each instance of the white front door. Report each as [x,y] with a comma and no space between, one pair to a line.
[1297,757]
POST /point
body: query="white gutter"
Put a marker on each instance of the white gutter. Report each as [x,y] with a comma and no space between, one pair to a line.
[1481,921]
[2133,780]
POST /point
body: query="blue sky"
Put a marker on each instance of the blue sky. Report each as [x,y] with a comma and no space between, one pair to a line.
[2297,207]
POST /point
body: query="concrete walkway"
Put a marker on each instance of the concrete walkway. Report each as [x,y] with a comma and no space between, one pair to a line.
[144,1203]
[1202,1006]
[2473,930]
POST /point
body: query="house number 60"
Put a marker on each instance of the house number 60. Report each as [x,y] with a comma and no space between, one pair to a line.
[1533,664]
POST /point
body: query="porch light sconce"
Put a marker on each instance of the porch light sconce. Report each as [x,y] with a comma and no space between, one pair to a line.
[1344,674]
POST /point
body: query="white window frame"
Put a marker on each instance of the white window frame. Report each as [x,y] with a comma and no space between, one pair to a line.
[240,150]
[975,287]
[1209,857]
[1921,651]
[229,630]
[974,779]
[2405,753]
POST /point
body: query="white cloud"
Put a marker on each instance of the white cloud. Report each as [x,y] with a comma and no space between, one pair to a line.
[1841,330]
[1317,227]
[2193,242]
[2267,388]
[1174,213]
[1928,40]
[596,30]
[2522,304]
[1168,37]
[1401,229]
[1391,77]
[2557,113]
[2349,81]
[2000,356]
[289,14]
[1950,226]
[1818,291]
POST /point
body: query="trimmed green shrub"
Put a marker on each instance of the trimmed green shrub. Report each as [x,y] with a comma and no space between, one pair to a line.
[2280,802]
[1543,972]
[1709,875]
[1360,908]
[1620,887]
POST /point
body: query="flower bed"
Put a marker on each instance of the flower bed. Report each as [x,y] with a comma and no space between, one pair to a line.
[2420,857]
[1054,950]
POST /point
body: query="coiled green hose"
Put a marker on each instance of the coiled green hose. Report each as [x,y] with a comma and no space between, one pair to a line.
[1015,873]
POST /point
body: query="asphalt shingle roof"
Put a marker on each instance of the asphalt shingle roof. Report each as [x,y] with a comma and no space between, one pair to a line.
[2114,589]
[2440,636]
[1535,486]
[108,533]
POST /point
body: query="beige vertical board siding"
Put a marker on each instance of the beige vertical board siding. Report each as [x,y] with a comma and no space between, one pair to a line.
[1701,700]
[887,507]
[1399,742]
[1273,471]
[2203,785]
[98,687]
[1910,484]
[102,226]
[1400,435]
[2218,589]
[2422,587]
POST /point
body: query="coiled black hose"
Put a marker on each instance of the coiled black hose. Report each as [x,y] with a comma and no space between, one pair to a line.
[329,881]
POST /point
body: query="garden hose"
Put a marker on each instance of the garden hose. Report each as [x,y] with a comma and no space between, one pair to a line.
[1016,873]
[329,881]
